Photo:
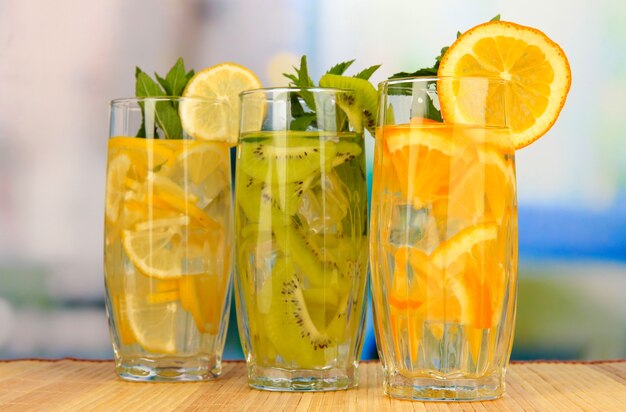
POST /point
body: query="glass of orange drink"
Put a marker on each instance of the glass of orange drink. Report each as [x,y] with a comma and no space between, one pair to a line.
[444,239]
[444,211]
[167,253]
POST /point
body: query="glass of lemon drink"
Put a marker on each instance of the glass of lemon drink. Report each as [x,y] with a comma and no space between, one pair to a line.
[167,255]
[301,238]
[444,243]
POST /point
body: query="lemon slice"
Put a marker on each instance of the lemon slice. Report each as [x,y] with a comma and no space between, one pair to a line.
[166,248]
[152,313]
[116,185]
[148,153]
[199,160]
[535,67]
[174,197]
[218,120]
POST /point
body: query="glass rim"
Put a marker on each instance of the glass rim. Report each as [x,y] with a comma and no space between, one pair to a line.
[131,100]
[435,78]
[276,90]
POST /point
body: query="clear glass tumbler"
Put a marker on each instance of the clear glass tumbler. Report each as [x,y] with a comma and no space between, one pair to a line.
[444,238]
[167,246]
[301,238]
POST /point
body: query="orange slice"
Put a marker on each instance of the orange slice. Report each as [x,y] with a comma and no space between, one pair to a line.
[203,296]
[430,148]
[535,67]
[450,251]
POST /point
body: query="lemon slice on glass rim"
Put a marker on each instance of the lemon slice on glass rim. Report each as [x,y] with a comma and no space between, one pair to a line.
[536,69]
[217,120]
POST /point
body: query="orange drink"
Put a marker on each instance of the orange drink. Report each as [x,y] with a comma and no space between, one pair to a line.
[443,242]
[443,255]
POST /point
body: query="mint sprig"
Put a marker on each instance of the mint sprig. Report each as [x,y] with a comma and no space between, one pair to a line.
[165,112]
[365,74]
[303,119]
[340,68]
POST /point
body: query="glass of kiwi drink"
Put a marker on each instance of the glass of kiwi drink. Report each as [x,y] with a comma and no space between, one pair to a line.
[301,238]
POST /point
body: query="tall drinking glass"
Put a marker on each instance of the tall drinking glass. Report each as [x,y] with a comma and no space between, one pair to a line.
[444,238]
[301,239]
[167,259]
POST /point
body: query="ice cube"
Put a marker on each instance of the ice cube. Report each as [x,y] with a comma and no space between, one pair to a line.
[413,227]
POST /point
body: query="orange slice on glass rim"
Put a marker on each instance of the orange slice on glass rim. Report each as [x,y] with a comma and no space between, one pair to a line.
[535,67]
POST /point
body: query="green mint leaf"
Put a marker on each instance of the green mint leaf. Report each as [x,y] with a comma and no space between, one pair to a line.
[304,80]
[146,87]
[302,122]
[190,74]
[432,112]
[142,129]
[496,18]
[301,78]
[365,74]
[164,84]
[296,107]
[291,77]
[438,58]
[177,78]
[166,116]
[340,68]
[421,72]
[168,119]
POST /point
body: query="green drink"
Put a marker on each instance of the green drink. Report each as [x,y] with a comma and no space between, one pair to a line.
[301,246]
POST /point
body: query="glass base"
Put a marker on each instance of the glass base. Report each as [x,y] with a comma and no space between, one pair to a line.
[302,380]
[437,389]
[169,369]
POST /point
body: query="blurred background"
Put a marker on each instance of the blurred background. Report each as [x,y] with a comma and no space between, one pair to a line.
[61,62]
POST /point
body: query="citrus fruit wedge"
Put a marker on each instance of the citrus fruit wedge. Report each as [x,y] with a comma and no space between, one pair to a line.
[116,185]
[200,159]
[218,119]
[166,248]
[449,251]
[431,148]
[151,313]
[203,296]
[536,69]
[470,273]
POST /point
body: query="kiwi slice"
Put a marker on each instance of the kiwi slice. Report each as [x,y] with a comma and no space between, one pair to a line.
[285,158]
[346,151]
[360,110]
[257,197]
[296,247]
[288,323]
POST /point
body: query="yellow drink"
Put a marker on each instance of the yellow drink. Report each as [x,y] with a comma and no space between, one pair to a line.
[444,258]
[167,256]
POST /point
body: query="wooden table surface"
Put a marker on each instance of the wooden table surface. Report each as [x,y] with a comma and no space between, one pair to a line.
[70,384]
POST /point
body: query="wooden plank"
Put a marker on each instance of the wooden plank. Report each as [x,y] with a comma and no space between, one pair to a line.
[76,385]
